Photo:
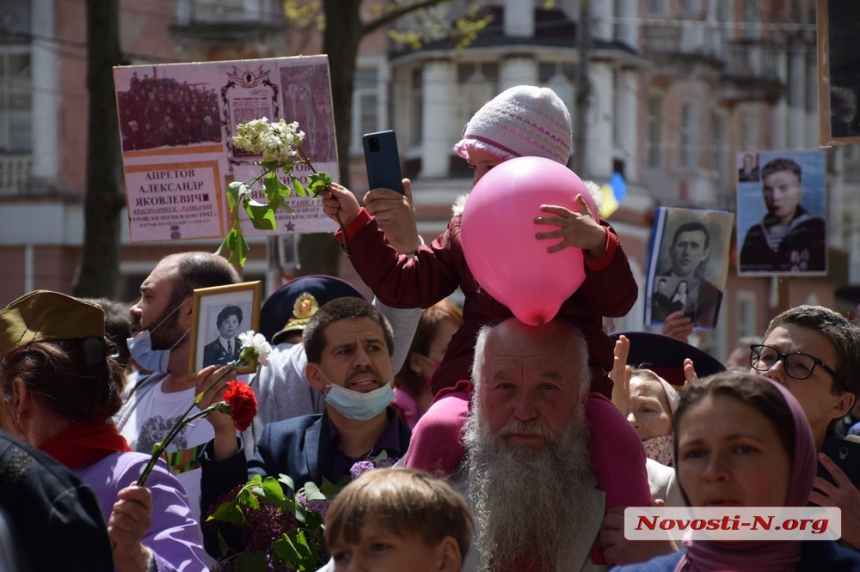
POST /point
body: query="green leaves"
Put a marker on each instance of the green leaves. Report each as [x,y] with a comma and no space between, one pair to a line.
[318,182]
[263,215]
[234,191]
[235,244]
[298,545]
[273,494]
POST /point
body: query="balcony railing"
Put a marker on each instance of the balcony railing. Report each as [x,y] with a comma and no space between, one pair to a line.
[15,171]
[220,12]
[752,61]
[686,35]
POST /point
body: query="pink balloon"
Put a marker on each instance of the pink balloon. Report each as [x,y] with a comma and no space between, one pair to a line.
[498,233]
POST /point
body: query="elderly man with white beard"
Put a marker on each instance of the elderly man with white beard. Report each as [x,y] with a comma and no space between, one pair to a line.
[527,475]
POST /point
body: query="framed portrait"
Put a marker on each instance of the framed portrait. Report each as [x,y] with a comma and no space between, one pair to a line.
[838,72]
[782,216]
[221,313]
[688,265]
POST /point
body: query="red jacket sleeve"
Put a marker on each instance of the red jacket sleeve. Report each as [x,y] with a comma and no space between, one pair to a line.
[400,281]
[609,288]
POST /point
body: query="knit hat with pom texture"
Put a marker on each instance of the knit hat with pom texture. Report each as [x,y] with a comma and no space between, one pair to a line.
[523,121]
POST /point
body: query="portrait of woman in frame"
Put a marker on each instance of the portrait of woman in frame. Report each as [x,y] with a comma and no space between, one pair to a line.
[221,313]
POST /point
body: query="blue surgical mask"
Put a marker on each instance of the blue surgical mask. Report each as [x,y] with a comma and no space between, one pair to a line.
[356,405]
[140,348]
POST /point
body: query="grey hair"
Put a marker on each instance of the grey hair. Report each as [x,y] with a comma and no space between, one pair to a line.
[575,337]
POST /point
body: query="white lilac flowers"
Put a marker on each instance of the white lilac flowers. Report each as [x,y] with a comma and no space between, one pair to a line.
[276,142]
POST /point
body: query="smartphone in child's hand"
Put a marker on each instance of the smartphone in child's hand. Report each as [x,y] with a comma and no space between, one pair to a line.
[382,161]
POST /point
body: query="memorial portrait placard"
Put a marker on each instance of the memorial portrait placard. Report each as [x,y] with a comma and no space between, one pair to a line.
[176,125]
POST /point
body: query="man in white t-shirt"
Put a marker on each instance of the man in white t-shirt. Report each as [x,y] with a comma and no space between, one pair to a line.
[161,321]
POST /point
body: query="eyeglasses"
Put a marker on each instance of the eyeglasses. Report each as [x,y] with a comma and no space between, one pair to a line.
[797,365]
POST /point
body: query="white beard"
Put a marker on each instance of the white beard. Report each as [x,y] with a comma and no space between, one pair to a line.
[527,502]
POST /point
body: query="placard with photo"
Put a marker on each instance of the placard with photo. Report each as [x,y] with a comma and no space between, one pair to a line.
[688,265]
[782,216]
[221,313]
[176,124]
[838,32]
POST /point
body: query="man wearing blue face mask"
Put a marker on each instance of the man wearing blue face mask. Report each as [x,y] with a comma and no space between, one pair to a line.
[161,321]
[349,346]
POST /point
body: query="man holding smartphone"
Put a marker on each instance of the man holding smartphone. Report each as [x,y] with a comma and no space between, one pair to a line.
[813,352]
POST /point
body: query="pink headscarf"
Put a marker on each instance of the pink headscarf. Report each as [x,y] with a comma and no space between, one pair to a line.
[764,556]
[671,393]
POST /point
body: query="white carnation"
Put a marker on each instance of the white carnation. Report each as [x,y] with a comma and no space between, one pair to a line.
[258,343]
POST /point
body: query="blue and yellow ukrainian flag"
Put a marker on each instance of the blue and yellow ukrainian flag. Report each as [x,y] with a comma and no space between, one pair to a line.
[612,193]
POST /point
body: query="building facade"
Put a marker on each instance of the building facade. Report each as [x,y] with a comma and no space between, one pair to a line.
[678,88]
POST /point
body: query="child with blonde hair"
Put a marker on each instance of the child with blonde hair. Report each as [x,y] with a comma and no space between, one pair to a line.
[398,519]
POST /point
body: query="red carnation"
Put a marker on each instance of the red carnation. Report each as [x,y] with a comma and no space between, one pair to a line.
[243,404]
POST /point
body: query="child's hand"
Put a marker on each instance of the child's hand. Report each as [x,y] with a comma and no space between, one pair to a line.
[339,204]
[577,229]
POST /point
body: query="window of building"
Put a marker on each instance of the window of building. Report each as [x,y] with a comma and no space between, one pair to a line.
[851,165]
[692,6]
[655,131]
[16,86]
[227,11]
[365,105]
[417,108]
[658,6]
[16,102]
[688,136]
[752,18]
[725,21]
[16,97]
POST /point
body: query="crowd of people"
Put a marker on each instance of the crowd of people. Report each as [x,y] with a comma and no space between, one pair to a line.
[517,446]
[156,111]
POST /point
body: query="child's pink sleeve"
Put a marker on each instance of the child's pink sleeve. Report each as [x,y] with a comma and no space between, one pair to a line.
[437,445]
[617,455]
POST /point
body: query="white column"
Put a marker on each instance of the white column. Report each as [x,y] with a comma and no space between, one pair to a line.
[519,19]
[796,96]
[46,99]
[598,147]
[440,82]
[517,71]
[627,25]
[602,18]
[628,123]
